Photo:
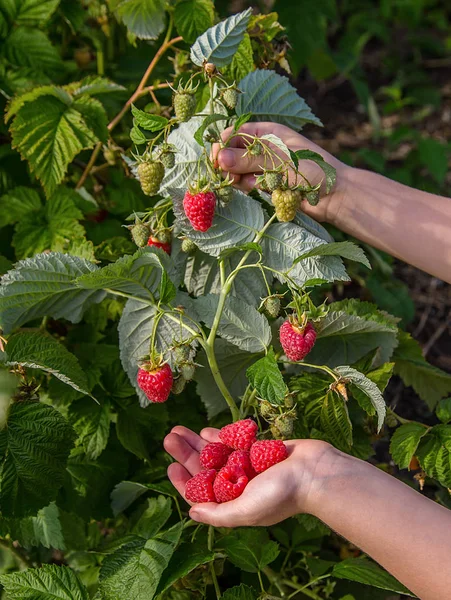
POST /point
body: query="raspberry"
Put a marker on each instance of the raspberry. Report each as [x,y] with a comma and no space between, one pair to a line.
[187,369]
[267,410]
[168,159]
[156,382]
[200,487]
[178,385]
[184,103]
[188,246]
[140,234]
[156,243]
[271,306]
[286,203]
[225,194]
[240,435]
[297,341]
[230,97]
[256,149]
[214,455]
[284,425]
[273,180]
[229,483]
[182,352]
[150,176]
[241,458]
[200,209]
[267,453]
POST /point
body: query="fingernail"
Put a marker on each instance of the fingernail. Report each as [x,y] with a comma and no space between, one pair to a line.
[194,515]
[227,158]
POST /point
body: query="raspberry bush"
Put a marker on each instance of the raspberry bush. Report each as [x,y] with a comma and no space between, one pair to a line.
[140,290]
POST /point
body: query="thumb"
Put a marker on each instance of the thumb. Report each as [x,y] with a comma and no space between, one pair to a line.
[227,514]
[234,160]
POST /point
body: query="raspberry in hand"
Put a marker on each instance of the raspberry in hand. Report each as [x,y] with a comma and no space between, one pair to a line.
[229,483]
[200,487]
[239,435]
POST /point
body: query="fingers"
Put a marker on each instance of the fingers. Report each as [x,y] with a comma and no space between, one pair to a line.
[210,434]
[194,440]
[227,514]
[178,476]
[234,160]
[178,447]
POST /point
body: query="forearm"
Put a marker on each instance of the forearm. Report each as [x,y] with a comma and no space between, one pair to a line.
[412,225]
[405,532]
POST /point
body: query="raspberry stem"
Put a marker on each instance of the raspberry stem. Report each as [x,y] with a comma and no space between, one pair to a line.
[210,542]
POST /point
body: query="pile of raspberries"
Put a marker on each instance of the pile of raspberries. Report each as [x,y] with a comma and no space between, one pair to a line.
[230,464]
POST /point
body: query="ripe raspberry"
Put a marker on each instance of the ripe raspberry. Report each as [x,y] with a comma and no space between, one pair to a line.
[240,435]
[140,234]
[286,203]
[230,97]
[225,194]
[229,483]
[267,453]
[184,104]
[273,180]
[200,487]
[156,243]
[168,159]
[200,209]
[241,458]
[271,306]
[156,383]
[297,341]
[214,455]
[150,176]
[188,246]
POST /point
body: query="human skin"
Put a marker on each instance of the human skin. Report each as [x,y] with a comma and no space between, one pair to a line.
[408,534]
[409,224]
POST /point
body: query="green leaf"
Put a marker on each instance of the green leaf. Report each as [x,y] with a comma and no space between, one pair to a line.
[346,249]
[93,85]
[250,549]
[240,592]
[37,440]
[270,97]
[32,12]
[335,421]
[266,378]
[91,421]
[434,454]
[243,61]
[404,443]
[134,570]
[184,560]
[193,17]
[40,351]
[137,136]
[148,121]
[199,135]
[145,19]
[124,494]
[30,47]
[219,43]
[241,120]
[50,582]
[47,528]
[391,295]
[240,323]
[366,572]
[136,425]
[45,285]
[443,410]
[154,516]
[70,126]
[429,382]
[433,154]
[380,377]
[369,388]
[17,204]
[329,172]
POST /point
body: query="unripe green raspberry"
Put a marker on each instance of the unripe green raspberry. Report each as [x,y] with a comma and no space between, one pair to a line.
[256,149]
[187,370]
[184,105]
[182,353]
[230,97]
[289,401]
[165,236]
[286,204]
[178,385]
[150,176]
[188,246]
[267,411]
[168,159]
[271,306]
[273,180]
[312,197]
[140,234]
[284,424]
[225,194]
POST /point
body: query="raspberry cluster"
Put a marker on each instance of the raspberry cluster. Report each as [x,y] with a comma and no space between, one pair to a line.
[231,463]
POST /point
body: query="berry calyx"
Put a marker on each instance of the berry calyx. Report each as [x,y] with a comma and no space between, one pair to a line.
[200,209]
[155,381]
[239,435]
[297,339]
[229,483]
[241,458]
[200,487]
[286,204]
[188,246]
[214,455]
[267,453]
[150,175]
[156,243]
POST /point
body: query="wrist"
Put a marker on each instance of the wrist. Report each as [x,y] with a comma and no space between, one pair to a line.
[338,199]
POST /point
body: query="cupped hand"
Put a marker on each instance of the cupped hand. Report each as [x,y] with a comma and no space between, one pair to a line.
[286,489]
[244,168]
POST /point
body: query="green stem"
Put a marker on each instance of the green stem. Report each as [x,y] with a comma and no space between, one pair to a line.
[211,539]
[211,357]
[261,582]
[318,367]
[303,588]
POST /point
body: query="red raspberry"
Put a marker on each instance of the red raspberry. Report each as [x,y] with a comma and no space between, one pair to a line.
[200,209]
[241,458]
[155,383]
[229,483]
[267,453]
[296,341]
[155,242]
[200,487]
[240,435]
[214,455]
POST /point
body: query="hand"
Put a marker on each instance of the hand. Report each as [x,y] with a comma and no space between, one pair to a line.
[244,168]
[286,489]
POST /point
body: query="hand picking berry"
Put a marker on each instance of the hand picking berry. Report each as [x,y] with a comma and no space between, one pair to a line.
[296,338]
[200,207]
[155,381]
[239,435]
[150,174]
[229,483]
[200,487]
[266,453]
[214,455]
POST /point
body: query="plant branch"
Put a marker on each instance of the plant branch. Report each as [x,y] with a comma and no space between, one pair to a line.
[318,367]
[211,537]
